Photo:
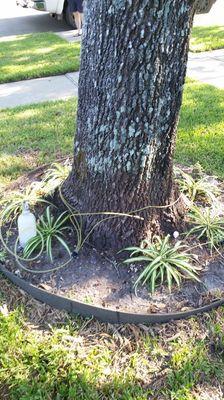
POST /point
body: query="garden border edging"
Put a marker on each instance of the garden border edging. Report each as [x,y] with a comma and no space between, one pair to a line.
[102,314]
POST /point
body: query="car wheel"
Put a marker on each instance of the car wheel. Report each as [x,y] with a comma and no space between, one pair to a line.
[69,17]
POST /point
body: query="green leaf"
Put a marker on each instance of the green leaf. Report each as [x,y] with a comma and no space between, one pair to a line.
[63,244]
[163,259]
[136,259]
[49,248]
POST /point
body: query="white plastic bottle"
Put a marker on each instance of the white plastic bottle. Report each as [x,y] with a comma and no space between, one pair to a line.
[26,225]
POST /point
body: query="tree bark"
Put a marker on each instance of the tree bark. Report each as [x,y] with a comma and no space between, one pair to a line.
[204,6]
[133,66]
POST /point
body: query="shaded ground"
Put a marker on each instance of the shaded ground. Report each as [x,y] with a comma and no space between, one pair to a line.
[102,279]
[47,354]
[94,278]
[37,55]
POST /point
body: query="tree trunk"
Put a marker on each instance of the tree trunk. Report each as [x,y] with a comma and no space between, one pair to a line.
[133,67]
[204,6]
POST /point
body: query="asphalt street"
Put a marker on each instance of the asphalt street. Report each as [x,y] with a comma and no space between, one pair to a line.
[16,20]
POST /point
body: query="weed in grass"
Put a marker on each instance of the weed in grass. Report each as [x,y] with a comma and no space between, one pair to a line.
[190,364]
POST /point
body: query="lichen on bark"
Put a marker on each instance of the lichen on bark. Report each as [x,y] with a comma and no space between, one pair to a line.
[133,66]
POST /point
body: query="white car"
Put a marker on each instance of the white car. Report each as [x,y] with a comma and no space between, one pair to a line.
[57,8]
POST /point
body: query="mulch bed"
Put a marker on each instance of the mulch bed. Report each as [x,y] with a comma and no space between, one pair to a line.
[96,278]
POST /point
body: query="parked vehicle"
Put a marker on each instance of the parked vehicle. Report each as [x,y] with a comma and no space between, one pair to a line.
[22,3]
[57,8]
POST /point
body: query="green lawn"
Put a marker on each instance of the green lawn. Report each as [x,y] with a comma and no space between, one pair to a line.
[44,54]
[81,359]
[201,128]
[206,38]
[32,135]
[37,55]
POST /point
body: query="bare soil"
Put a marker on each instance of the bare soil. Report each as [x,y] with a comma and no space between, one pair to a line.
[103,280]
[95,278]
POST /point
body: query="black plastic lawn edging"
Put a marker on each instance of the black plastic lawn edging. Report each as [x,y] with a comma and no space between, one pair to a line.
[102,314]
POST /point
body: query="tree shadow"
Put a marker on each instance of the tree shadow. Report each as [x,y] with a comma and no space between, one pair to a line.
[74,358]
[35,134]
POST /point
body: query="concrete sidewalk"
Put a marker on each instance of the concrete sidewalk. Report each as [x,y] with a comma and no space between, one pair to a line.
[71,35]
[60,87]
[207,67]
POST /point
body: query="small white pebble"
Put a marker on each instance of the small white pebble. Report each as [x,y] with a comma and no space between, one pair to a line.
[17,272]
[4,310]
[176,234]
[107,371]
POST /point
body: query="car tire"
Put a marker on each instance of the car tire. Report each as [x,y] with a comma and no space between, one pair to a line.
[69,17]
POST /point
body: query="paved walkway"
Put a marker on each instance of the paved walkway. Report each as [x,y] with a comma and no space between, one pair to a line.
[70,35]
[60,87]
[207,67]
